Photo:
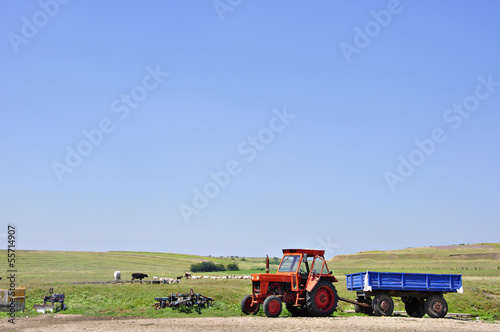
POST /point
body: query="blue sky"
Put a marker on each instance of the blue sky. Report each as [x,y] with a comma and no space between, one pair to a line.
[340,125]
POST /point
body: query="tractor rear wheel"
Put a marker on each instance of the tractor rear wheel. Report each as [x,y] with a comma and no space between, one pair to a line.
[436,306]
[272,306]
[415,307]
[322,300]
[247,307]
[383,305]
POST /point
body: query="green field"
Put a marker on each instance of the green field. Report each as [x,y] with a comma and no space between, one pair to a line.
[39,270]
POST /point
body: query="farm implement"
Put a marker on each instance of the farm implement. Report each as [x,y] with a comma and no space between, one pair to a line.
[52,298]
[184,301]
[304,284]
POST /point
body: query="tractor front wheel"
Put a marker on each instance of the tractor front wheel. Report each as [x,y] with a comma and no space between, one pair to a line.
[322,300]
[248,307]
[272,306]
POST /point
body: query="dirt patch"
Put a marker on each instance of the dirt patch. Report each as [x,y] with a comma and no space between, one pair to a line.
[73,323]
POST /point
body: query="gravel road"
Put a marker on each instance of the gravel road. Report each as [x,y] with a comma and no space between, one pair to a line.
[70,323]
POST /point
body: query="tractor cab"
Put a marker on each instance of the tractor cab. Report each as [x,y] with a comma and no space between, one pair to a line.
[305,263]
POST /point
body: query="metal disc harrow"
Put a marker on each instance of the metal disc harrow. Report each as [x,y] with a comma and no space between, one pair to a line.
[184,300]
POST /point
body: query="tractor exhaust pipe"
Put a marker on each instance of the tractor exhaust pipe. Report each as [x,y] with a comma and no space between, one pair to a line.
[267,263]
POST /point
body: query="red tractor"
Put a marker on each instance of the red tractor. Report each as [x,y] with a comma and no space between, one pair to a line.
[303,282]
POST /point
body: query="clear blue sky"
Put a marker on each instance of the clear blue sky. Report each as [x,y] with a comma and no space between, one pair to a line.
[343,125]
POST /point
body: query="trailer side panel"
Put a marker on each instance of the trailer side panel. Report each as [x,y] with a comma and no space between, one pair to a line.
[370,281]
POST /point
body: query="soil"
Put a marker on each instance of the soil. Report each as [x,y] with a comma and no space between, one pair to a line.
[70,323]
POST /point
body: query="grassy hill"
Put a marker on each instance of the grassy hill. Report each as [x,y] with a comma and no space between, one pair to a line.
[39,270]
[472,260]
[42,267]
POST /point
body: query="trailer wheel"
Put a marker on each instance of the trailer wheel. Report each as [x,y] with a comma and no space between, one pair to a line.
[436,306]
[272,306]
[415,307]
[383,305]
[247,307]
[297,311]
[322,300]
[362,309]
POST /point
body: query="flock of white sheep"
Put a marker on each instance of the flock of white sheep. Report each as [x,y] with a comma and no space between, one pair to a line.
[117,277]
[217,277]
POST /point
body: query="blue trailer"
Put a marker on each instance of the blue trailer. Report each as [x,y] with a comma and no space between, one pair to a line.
[421,293]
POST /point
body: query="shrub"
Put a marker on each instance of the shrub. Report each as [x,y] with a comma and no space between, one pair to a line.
[233,267]
[207,267]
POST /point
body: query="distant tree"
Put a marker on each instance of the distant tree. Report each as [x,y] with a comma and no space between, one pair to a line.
[207,267]
[232,267]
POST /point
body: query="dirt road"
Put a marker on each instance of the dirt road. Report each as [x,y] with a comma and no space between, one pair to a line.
[75,323]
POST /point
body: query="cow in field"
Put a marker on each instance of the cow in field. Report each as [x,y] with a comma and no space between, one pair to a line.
[139,276]
[117,275]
